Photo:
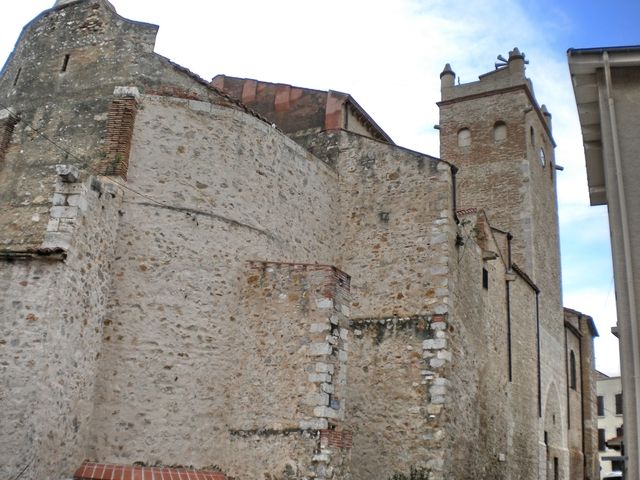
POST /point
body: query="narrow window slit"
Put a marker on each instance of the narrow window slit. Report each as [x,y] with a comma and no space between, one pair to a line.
[65,63]
[15,80]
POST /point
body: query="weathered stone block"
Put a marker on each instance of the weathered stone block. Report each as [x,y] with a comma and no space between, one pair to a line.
[436,390]
[63,212]
[328,388]
[324,368]
[319,377]
[320,327]
[436,362]
[313,424]
[59,199]
[68,173]
[434,343]
[130,92]
[316,399]
[78,201]
[326,412]
[57,240]
[320,349]
[321,458]
[324,303]
[445,355]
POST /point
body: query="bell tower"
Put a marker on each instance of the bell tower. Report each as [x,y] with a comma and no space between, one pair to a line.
[495,132]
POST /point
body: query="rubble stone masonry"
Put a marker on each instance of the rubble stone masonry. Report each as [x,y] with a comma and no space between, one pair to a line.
[182,377]
[234,300]
[52,307]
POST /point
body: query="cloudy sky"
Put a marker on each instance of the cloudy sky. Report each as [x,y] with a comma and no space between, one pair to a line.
[388,55]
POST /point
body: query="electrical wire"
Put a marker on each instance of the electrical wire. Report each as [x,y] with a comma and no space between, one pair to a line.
[81,160]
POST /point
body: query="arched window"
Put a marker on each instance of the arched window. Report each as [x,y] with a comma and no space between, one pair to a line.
[499,131]
[572,370]
[464,137]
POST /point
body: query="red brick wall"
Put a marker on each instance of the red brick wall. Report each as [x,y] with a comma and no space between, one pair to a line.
[121,118]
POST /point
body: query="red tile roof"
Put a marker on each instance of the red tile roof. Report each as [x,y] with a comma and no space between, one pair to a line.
[105,471]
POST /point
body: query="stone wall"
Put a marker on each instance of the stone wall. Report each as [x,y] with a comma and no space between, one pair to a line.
[523,388]
[217,188]
[59,82]
[491,412]
[476,411]
[396,226]
[295,324]
[398,384]
[52,308]
[396,235]
[503,171]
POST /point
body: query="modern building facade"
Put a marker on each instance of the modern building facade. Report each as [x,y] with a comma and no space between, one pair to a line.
[246,279]
[610,425]
[606,83]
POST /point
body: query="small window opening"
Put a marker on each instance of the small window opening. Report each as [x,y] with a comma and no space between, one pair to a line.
[499,131]
[600,406]
[543,160]
[546,438]
[65,63]
[485,279]
[572,370]
[602,445]
[531,134]
[556,469]
[618,404]
[15,80]
[464,137]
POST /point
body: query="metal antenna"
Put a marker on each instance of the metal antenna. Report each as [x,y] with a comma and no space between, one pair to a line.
[501,63]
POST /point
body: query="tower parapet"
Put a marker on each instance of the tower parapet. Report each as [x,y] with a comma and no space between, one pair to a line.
[509,72]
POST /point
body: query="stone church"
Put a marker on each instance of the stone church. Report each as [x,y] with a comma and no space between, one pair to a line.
[240,279]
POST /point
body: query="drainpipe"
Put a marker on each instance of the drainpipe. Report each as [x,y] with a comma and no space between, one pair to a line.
[539,369]
[508,293]
[626,243]
[454,170]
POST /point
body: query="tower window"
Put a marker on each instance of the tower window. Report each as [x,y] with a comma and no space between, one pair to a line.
[485,279]
[543,160]
[499,131]
[65,63]
[531,134]
[572,370]
[464,137]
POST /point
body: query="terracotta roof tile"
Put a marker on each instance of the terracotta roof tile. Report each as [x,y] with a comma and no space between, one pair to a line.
[106,471]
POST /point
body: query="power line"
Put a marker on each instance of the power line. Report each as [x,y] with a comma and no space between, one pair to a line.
[91,170]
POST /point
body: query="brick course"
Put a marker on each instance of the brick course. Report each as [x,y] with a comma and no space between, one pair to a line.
[107,471]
